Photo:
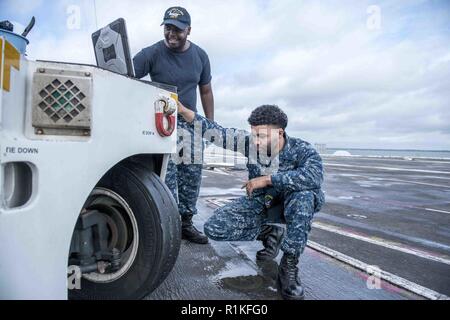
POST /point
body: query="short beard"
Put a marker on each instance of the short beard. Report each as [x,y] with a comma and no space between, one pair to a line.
[268,152]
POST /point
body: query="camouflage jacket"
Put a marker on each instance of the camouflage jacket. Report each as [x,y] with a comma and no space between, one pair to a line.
[298,166]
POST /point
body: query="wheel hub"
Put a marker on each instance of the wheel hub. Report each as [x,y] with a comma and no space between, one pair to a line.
[106,239]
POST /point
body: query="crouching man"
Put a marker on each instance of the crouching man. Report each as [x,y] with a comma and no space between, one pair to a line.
[280,166]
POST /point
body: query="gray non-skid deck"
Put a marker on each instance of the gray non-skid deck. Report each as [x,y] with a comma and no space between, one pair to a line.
[390,213]
[222,270]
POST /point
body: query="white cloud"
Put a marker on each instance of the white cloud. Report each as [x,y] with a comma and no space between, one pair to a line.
[340,83]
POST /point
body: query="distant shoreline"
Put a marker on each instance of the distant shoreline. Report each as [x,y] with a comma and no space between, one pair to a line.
[387,153]
[399,150]
[386,157]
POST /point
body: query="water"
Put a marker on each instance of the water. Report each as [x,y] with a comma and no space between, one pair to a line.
[392,152]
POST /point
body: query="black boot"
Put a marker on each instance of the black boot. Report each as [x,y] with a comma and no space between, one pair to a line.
[190,233]
[271,237]
[288,279]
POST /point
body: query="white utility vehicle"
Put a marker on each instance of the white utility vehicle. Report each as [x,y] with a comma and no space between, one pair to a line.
[83,154]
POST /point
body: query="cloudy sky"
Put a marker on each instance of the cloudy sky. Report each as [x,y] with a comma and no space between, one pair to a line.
[367,74]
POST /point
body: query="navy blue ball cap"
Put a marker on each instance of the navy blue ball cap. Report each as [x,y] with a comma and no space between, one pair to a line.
[177,16]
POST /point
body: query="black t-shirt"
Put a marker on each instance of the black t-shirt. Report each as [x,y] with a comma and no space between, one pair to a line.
[185,70]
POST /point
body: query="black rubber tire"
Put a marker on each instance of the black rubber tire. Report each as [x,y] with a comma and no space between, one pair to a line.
[159,228]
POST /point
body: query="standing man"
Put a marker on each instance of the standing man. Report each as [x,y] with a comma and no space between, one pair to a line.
[179,62]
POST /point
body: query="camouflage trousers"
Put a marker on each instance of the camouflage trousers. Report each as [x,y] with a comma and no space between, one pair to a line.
[242,219]
[184,179]
[184,182]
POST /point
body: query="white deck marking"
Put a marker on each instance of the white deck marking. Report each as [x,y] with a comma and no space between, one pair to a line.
[383,243]
[399,180]
[361,171]
[399,159]
[420,183]
[435,210]
[385,168]
[346,169]
[384,275]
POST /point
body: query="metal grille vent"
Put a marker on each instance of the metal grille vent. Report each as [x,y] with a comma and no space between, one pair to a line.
[62,100]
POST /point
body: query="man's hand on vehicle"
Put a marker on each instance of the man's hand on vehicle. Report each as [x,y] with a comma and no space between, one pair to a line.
[187,114]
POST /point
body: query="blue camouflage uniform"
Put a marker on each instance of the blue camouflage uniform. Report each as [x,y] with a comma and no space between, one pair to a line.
[297,178]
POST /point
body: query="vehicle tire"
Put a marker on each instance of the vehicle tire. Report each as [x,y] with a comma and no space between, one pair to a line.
[153,216]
